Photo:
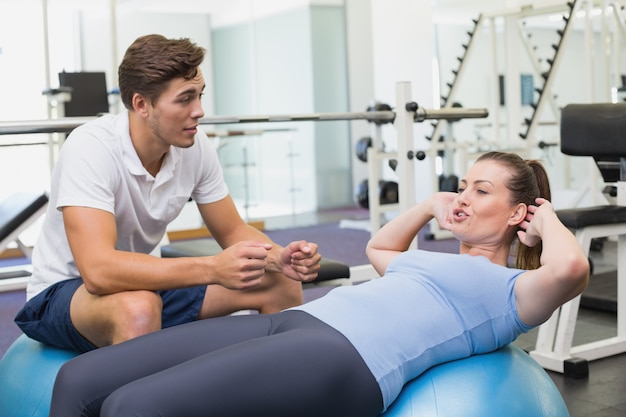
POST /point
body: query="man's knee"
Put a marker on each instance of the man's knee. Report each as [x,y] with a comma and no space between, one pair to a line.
[136,313]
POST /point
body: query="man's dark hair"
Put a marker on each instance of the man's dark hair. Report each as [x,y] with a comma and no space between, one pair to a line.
[152,61]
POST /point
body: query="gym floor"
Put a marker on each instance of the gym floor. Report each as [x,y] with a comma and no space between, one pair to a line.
[603,393]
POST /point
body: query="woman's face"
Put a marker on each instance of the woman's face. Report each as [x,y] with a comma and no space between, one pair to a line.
[483,213]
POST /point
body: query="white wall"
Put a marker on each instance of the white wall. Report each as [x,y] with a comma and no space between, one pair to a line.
[360,56]
[22,81]
[388,41]
[403,50]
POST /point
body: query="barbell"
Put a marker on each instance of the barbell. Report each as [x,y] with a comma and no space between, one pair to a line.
[67,124]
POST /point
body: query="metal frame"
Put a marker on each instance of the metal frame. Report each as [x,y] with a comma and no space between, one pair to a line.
[554,347]
[67,124]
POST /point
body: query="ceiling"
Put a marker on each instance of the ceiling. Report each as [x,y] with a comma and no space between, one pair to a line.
[444,11]
[454,7]
[543,12]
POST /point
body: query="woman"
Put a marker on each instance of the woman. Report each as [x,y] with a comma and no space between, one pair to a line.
[349,353]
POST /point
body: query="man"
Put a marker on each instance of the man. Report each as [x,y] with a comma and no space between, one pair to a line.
[118,182]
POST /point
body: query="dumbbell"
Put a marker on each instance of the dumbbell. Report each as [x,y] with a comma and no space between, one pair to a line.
[387,193]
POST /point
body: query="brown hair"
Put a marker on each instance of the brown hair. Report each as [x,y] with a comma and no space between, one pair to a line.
[152,61]
[529,180]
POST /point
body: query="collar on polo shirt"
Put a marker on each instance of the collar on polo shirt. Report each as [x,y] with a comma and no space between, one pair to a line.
[133,163]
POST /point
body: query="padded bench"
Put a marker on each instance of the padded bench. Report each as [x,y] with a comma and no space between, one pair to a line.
[579,218]
[330,270]
[18,212]
[602,221]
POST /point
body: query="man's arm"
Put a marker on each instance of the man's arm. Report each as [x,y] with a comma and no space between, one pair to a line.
[299,260]
[105,270]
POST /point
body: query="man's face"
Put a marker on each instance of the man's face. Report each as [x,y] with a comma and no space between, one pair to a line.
[173,119]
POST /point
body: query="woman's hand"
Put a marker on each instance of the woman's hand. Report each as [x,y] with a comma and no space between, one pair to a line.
[531,228]
[442,206]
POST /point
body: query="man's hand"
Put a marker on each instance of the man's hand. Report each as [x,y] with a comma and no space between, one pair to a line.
[300,261]
[242,265]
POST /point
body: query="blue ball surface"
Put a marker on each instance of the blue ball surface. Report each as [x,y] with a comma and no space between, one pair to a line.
[27,373]
[507,382]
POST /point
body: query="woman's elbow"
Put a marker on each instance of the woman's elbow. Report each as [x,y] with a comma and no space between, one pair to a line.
[578,273]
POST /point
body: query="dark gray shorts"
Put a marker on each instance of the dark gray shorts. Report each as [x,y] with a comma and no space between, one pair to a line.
[46,317]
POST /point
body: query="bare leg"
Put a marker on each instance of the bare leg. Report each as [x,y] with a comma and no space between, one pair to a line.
[276,293]
[111,319]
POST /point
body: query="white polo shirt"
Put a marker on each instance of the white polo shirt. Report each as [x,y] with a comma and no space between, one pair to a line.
[99,168]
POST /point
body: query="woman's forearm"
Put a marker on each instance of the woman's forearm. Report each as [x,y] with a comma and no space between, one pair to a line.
[399,233]
[396,236]
[561,251]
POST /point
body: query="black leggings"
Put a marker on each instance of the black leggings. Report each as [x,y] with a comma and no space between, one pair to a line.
[285,364]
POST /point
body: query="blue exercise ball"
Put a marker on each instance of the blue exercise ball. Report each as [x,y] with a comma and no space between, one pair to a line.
[27,373]
[503,383]
[507,382]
